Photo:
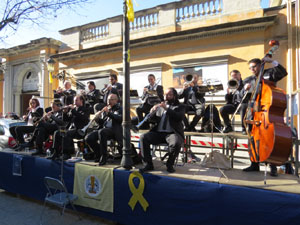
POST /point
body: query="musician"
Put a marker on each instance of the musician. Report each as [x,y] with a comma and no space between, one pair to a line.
[194,101]
[78,116]
[66,94]
[233,99]
[111,120]
[35,112]
[276,73]
[113,88]
[47,126]
[93,96]
[149,99]
[169,129]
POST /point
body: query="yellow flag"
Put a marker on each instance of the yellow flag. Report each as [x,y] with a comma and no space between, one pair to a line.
[130,11]
[94,187]
[50,78]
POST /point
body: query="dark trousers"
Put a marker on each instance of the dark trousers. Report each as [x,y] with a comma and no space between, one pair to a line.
[198,114]
[42,133]
[173,140]
[19,131]
[102,135]
[228,109]
[68,143]
[143,109]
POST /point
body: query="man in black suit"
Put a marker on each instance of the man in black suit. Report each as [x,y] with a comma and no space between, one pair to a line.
[233,99]
[77,117]
[169,129]
[276,73]
[93,96]
[194,101]
[47,126]
[66,94]
[110,117]
[153,94]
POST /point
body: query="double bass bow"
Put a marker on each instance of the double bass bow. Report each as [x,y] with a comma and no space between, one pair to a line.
[270,138]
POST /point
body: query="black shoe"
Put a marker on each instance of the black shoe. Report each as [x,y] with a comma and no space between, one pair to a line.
[170,168]
[227,129]
[273,171]
[148,167]
[103,160]
[97,159]
[253,167]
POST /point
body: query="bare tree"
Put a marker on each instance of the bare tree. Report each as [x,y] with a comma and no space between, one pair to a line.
[15,12]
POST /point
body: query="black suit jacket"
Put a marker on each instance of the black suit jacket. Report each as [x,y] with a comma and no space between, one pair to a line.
[160,92]
[78,117]
[68,96]
[117,89]
[272,74]
[176,114]
[185,94]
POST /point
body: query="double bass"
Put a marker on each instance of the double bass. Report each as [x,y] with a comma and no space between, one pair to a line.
[270,138]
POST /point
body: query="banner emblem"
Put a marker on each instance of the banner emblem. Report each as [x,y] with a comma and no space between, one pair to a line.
[93,186]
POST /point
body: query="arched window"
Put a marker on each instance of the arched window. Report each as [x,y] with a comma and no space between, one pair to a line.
[30,82]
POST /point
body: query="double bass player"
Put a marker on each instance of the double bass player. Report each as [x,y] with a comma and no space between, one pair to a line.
[274,74]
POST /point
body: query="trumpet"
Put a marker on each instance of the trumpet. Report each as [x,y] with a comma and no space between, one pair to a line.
[106,89]
[82,131]
[189,80]
[233,84]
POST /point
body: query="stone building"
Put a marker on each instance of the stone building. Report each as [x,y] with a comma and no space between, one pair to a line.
[25,74]
[207,37]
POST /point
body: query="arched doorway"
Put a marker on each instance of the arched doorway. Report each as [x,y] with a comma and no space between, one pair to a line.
[29,89]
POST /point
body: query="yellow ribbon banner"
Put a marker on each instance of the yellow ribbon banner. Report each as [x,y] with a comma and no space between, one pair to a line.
[50,78]
[137,193]
[130,11]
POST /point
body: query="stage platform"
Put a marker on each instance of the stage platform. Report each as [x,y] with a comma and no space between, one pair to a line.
[191,195]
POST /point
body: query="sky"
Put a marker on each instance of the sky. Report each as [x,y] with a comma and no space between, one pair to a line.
[95,11]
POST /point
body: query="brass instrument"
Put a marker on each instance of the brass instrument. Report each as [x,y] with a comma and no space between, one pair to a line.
[105,90]
[233,84]
[189,80]
[82,131]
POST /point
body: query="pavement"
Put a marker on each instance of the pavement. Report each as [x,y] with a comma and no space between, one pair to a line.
[19,210]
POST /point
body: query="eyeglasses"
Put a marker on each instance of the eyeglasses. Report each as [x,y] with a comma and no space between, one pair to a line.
[252,67]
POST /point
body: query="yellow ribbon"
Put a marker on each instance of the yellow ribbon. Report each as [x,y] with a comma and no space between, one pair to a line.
[50,78]
[130,11]
[137,193]
[128,56]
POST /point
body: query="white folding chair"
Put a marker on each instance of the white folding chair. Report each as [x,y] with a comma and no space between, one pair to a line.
[57,195]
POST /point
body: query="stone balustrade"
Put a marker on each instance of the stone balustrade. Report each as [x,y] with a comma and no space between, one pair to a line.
[198,9]
[161,19]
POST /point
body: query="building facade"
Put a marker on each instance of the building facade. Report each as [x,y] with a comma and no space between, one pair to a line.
[25,74]
[206,37]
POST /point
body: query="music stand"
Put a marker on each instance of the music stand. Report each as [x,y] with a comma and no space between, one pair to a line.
[213,88]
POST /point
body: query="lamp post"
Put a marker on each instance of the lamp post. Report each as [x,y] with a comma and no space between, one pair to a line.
[126,161]
[50,66]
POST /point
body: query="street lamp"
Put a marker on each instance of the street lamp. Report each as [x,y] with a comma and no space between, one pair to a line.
[126,161]
[50,65]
